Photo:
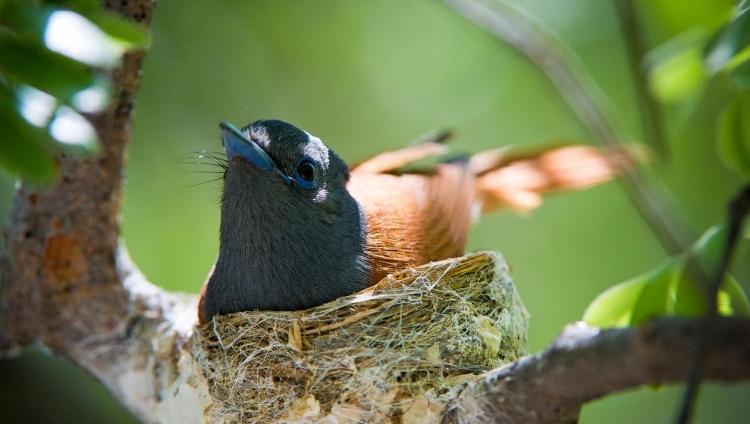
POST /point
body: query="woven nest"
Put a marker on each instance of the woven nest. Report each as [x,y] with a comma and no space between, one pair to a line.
[395,352]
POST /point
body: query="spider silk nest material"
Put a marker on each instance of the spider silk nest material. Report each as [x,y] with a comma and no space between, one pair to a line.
[396,352]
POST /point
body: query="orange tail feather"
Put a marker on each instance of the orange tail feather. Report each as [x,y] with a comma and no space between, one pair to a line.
[519,183]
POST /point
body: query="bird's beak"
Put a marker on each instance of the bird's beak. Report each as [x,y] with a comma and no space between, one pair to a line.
[237,144]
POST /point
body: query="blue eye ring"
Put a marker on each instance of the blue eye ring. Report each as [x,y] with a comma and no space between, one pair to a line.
[306,173]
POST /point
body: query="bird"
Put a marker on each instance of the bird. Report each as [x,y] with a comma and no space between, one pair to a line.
[300,228]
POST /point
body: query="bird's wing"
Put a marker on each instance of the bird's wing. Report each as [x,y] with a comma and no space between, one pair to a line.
[414,218]
[392,160]
[448,209]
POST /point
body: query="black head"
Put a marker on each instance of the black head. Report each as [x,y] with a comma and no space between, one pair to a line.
[291,235]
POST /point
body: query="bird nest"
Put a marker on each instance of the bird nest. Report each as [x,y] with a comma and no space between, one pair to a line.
[396,352]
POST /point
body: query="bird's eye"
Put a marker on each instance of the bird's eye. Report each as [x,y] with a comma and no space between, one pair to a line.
[305,173]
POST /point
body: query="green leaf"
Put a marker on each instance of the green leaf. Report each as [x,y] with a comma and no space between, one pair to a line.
[689,298]
[676,287]
[733,139]
[31,64]
[82,7]
[614,307]
[741,76]
[21,150]
[676,68]
[30,20]
[657,296]
[732,299]
[675,16]
[127,33]
[708,249]
[728,42]
[26,19]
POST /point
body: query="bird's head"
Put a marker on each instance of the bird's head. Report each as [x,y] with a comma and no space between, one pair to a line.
[291,235]
[278,161]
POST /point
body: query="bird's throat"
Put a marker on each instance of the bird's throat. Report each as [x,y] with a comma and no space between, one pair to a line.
[278,254]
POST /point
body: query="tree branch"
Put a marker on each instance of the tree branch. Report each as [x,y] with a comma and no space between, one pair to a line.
[61,241]
[65,281]
[586,363]
[635,45]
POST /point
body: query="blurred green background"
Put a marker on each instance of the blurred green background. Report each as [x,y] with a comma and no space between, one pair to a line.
[371,76]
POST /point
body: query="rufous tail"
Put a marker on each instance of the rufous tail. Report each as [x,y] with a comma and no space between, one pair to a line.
[519,182]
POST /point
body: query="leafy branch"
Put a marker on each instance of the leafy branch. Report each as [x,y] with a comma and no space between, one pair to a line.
[552,56]
[48,78]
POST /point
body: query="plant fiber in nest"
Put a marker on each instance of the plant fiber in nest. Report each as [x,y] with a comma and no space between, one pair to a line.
[396,352]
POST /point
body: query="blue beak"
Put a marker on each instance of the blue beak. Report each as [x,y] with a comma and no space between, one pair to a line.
[237,144]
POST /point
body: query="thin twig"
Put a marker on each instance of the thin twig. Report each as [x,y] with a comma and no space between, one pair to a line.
[545,50]
[651,113]
[738,211]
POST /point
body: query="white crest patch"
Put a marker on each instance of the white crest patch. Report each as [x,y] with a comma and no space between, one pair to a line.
[259,135]
[317,145]
[319,152]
